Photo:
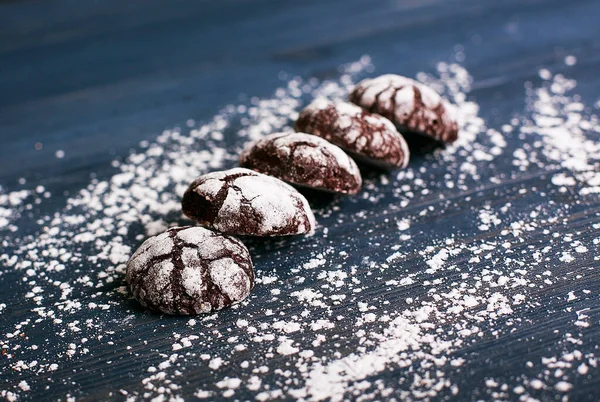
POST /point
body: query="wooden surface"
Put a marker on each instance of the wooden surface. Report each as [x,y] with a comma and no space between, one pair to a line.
[96,78]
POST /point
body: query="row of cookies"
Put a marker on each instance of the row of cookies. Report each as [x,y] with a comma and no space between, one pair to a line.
[191,270]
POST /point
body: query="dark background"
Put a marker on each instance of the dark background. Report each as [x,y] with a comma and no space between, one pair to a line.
[95,78]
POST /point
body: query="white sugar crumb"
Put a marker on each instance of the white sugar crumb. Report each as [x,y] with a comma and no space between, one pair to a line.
[9,395]
[286,348]
[437,261]
[309,296]
[570,60]
[315,263]
[201,394]
[386,306]
[231,383]
[403,224]
[563,386]
[286,327]
[24,386]
[215,363]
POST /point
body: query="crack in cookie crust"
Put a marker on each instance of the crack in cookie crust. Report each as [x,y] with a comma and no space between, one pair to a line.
[244,202]
[409,104]
[173,275]
[305,160]
[369,136]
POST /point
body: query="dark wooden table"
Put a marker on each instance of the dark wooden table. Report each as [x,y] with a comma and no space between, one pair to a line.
[82,83]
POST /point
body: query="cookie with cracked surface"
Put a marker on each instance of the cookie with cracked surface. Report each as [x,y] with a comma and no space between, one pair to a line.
[411,105]
[244,202]
[304,160]
[366,136]
[190,270]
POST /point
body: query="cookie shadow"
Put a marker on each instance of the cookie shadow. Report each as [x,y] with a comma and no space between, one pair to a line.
[317,198]
[421,145]
[371,171]
[259,245]
[118,291]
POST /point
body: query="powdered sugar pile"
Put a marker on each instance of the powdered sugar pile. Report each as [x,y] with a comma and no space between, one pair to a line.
[392,297]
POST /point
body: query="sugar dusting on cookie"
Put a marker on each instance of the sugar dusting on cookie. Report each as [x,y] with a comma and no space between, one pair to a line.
[370,137]
[305,160]
[190,270]
[328,320]
[244,202]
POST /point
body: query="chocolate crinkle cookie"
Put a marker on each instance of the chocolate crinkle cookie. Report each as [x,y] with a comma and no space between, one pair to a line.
[366,136]
[190,270]
[411,105]
[244,202]
[304,160]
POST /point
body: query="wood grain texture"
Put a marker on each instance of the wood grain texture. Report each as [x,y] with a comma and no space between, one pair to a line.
[95,78]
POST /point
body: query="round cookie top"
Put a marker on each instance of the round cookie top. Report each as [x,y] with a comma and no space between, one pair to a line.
[305,160]
[190,270]
[244,202]
[411,105]
[368,136]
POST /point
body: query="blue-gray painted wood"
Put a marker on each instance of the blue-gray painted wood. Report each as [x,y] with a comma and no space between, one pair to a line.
[95,78]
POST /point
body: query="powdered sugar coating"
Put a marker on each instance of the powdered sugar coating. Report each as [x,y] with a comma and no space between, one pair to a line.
[244,202]
[409,104]
[190,270]
[305,160]
[368,136]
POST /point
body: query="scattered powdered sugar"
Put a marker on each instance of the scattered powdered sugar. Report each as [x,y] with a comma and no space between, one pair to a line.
[385,301]
[12,205]
[563,124]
